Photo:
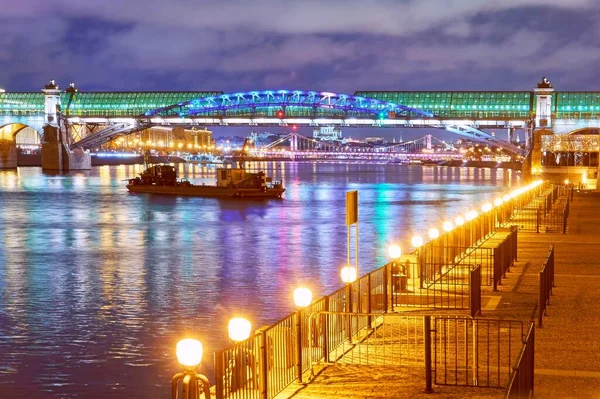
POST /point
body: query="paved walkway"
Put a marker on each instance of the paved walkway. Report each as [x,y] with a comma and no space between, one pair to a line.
[567,355]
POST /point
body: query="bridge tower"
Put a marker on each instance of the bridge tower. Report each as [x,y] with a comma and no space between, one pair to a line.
[51,103]
[428,141]
[532,165]
[56,154]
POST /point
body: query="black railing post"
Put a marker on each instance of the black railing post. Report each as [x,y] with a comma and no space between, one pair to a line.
[541,302]
[369,303]
[538,220]
[565,215]
[299,344]
[264,365]
[386,304]
[325,331]
[427,337]
[219,375]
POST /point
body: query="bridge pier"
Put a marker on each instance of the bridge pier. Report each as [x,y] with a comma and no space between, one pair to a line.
[8,154]
[56,154]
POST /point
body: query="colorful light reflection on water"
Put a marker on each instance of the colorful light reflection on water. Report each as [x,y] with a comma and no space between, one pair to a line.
[97,285]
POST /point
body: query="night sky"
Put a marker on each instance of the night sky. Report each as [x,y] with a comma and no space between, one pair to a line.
[329,45]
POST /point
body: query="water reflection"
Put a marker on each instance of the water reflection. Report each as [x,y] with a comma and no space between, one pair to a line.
[97,285]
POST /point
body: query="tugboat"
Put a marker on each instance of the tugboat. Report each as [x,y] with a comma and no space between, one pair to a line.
[231,183]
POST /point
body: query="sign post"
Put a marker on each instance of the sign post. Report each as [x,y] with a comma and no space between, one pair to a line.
[352,219]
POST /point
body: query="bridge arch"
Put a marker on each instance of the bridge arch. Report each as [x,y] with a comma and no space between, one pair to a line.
[20,134]
[287,103]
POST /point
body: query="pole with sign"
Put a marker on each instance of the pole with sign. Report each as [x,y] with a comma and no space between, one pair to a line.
[352,220]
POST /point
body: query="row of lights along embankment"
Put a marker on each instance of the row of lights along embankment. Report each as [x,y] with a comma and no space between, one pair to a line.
[189,351]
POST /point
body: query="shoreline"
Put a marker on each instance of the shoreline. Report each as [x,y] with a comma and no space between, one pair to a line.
[36,160]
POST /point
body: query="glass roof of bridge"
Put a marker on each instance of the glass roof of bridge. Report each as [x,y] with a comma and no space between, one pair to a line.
[99,103]
[573,101]
[126,104]
[442,103]
[21,103]
[445,102]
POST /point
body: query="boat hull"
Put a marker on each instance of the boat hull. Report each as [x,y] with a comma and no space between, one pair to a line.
[207,191]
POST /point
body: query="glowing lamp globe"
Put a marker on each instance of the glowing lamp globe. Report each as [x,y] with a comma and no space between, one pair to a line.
[434,233]
[239,329]
[498,201]
[506,198]
[459,221]
[447,226]
[189,352]
[417,241]
[302,297]
[348,274]
[566,181]
[394,251]
[486,208]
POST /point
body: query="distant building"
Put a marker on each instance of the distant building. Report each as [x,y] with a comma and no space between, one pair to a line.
[374,140]
[328,133]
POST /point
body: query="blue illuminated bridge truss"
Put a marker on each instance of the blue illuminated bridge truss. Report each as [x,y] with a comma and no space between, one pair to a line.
[288,104]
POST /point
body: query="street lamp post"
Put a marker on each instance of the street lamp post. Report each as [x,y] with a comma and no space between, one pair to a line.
[242,360]
[417,242]
[348,275]
[189,354]
[398,276]
[302,299]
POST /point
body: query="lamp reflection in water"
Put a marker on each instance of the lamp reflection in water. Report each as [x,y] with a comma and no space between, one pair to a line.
[242,364]
[302,299]
[189,354]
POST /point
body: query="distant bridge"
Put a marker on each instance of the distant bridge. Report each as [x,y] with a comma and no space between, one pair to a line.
[296,146]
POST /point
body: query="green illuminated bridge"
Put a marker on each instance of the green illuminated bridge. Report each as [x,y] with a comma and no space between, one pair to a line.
[111,114]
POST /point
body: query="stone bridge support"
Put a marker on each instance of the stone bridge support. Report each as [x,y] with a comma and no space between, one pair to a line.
[8,146]
[56,154]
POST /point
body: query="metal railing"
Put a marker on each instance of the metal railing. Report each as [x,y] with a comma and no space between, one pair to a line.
[545,212]
[505,255]
[521,382]
[449,272]
[546,282]
[475,352]
[475,291]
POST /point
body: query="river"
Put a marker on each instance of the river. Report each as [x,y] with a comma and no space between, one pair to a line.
[97,285]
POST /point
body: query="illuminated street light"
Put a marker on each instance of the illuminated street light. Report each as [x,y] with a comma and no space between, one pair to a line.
[498,201]
[471,215]
[348,274]
[189,355]
[447,226]
[239,329]
[459,221]
[395,252]
[417,241]
[434,233]
[506,198]
[302,297]
[486,208]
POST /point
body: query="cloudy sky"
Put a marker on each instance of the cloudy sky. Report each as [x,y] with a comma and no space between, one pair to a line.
[333,45]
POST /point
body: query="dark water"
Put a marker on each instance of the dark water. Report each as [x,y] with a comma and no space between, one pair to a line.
[97,285]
